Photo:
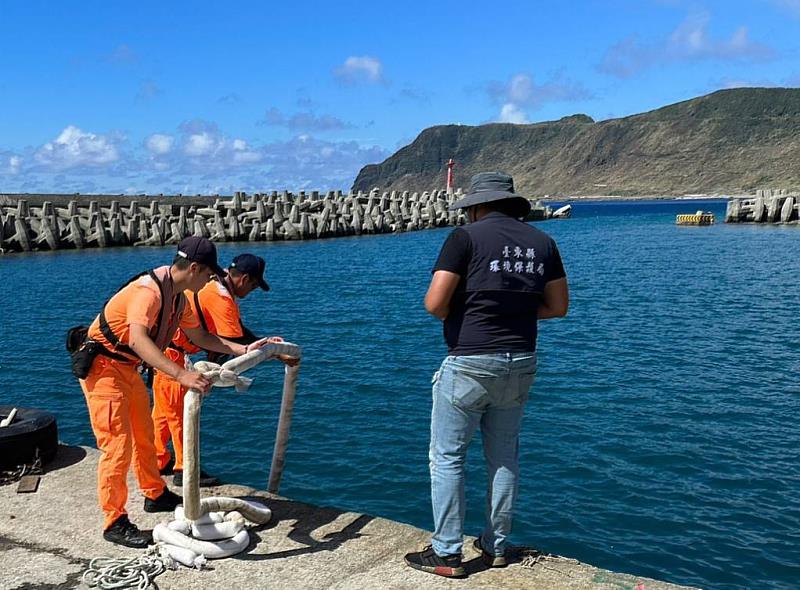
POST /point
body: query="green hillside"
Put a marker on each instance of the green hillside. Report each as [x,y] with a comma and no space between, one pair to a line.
[731,141]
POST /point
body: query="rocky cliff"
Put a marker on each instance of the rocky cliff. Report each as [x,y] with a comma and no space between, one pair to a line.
[731,141]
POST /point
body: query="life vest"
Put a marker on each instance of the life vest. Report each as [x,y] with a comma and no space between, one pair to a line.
[169,316]
[247,336]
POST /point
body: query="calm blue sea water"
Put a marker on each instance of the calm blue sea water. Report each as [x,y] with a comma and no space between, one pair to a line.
[662,437]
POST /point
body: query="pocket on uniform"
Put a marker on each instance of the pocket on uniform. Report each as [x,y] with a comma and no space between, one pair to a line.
[106,414]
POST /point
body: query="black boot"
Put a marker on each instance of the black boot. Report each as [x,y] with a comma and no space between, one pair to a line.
[168,468]
[205,479]
[166,502]
[123,532]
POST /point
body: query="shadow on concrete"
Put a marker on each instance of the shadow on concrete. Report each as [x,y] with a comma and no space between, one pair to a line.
[516,554]
[66,456]
[307,520]
[474,566]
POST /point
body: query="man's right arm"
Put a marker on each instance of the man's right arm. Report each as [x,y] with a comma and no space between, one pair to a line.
[141,343]
[440,292]
[450,268]
[555,300]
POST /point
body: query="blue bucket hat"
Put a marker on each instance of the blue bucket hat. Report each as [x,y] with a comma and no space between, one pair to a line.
[488,187]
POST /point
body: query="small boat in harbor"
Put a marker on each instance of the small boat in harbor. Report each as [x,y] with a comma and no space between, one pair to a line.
[563,212]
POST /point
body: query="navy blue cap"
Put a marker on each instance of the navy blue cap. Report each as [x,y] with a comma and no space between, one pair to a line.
[253,266]
[202,251]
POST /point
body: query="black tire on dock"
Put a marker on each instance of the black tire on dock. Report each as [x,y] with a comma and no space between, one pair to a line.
[31,430]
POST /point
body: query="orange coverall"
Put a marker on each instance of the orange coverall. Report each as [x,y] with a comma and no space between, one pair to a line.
[221,313]
[168,397]
[118,402]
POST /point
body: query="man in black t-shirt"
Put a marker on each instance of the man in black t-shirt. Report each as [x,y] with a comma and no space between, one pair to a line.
[494,279]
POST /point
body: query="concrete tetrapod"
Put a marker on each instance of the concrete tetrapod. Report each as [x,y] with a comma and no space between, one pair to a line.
[202,526]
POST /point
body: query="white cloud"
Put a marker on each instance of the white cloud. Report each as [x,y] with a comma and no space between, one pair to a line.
[521,88]
[360,69]
[690,41]
[309,162]
[14,164]
[159,144]
[208,149]
[511,113]
[523,92]
[74,147]
[198,158]
[243,153]
[200,144]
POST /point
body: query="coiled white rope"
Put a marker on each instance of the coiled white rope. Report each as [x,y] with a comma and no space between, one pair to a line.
[111,574]
[208,540]
[227,375]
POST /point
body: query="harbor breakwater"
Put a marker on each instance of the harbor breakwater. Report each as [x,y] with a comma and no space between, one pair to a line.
[86,222]
[767,206]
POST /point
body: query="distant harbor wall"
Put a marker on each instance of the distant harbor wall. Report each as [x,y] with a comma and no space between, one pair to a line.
[147,221]
[767,206]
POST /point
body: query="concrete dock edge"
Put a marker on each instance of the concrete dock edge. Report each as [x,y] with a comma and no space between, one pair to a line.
[47,539]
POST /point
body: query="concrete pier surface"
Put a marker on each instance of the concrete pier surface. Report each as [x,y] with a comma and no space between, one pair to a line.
[47,539]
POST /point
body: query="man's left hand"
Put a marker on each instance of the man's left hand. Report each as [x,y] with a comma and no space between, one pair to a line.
[291,361]
[257,344]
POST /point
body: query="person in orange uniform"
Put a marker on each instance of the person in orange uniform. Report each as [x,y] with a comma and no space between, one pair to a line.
[135,326]
[219,314]
[168,397]
[219,311]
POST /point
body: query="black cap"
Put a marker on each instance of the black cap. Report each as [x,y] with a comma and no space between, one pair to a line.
[253,266]
[200,250]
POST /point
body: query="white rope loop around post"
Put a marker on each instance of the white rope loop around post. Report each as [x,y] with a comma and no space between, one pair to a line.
[226,375]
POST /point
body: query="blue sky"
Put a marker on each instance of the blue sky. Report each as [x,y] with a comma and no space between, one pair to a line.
[211,97]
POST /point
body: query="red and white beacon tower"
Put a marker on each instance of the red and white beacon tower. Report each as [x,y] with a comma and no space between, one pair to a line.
[450,165]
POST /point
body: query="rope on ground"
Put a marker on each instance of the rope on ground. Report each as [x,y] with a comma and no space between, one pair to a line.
[108,573]
[532,558]
[11,475]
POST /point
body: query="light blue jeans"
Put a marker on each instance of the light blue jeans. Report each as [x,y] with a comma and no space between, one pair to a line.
[489,391]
